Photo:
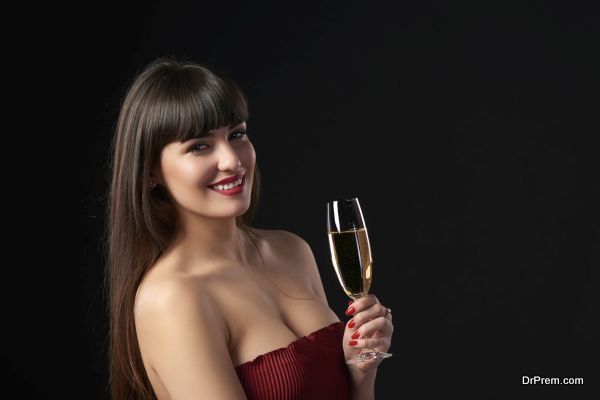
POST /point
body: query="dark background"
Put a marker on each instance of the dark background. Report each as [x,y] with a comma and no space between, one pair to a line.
[467,129]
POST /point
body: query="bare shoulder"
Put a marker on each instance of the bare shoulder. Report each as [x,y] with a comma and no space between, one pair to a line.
[162,294]
[183,336]
[280,239]
[297,253]
[287,247]
[166,297]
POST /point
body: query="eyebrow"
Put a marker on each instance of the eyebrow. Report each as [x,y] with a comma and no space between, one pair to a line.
[210,133]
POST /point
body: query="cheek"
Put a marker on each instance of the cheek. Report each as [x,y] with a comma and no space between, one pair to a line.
[248,155]
[187,174]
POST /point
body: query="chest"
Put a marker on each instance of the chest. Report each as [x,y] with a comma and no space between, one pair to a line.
[265,312]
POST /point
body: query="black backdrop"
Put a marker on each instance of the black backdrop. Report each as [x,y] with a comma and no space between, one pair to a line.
[467,130]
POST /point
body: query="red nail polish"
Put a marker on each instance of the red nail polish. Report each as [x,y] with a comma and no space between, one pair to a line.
[350,310]
[353,343]
[351,324]
[356,335]
[350,302]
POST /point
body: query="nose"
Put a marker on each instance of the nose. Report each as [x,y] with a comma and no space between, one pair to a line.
[228,159]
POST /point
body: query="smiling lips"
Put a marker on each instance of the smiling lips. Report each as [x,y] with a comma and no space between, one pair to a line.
[229,186]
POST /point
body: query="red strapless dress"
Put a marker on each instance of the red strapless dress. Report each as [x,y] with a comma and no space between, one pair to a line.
[312,367]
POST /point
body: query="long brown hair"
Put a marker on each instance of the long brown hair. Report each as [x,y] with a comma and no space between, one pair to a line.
[169,100]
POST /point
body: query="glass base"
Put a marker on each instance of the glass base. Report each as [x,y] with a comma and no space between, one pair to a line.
[369,355]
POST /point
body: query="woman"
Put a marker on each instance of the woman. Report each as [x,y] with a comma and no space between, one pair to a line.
[203,306]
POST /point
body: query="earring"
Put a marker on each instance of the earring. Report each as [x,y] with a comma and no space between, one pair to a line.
[152,185]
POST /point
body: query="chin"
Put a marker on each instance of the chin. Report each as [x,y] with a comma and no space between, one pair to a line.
[236,212]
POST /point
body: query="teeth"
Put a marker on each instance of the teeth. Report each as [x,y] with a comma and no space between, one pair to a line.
[230,185]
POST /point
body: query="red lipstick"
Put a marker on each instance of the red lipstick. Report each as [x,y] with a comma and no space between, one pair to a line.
[226,180]
[233,191]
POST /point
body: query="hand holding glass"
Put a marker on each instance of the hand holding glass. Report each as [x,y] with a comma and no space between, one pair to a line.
[351,255]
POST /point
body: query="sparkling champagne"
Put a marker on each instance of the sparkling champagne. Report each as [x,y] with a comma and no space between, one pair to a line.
[351,257]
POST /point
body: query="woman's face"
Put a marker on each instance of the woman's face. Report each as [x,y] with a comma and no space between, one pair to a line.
[190,171]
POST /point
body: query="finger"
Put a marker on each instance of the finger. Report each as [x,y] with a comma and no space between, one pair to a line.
[378,344]
[376,310]
[361,304]
[375,328]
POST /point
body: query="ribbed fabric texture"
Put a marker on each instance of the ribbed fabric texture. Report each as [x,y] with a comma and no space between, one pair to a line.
[312,367]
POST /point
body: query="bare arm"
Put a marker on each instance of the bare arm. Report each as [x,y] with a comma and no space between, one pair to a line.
[185,339]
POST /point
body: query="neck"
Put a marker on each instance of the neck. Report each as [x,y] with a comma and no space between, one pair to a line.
[204,241]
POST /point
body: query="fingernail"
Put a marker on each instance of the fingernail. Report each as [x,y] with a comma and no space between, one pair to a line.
[356,335]
[351,324]
[350,302]
[353,343]
[350,310]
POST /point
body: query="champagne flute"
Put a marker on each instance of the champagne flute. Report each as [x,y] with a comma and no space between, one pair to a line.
[351,256]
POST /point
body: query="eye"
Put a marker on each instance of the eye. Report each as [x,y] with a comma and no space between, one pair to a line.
[239,134]
[196,147]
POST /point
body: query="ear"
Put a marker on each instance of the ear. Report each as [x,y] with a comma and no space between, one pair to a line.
[156,175]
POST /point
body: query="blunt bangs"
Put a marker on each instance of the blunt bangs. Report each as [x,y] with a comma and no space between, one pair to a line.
[191,101]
